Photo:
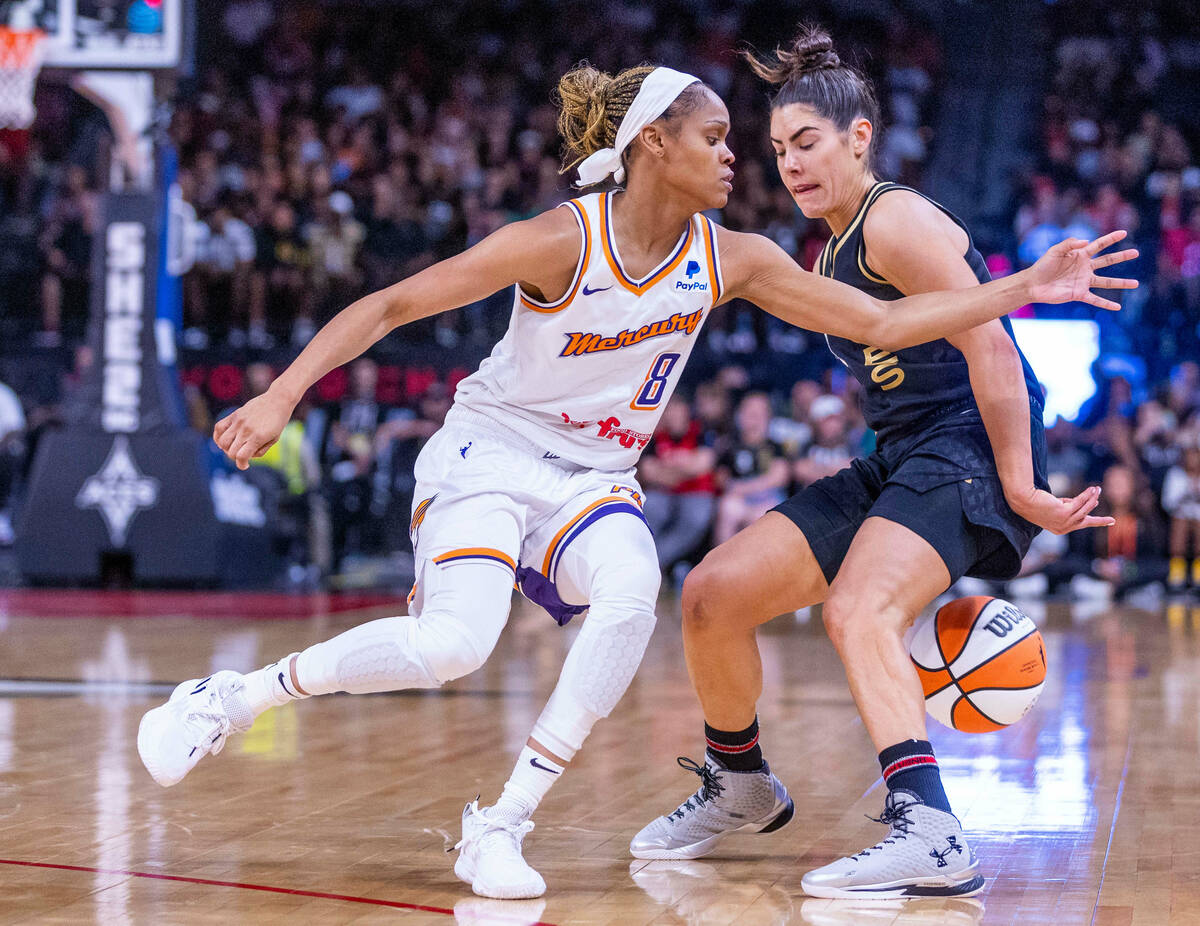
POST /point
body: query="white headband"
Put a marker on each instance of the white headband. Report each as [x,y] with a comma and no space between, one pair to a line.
[659,90]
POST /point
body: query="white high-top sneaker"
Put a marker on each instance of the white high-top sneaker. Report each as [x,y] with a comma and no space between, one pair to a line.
[194,723]
[925,855]
[489,857]
[727,802]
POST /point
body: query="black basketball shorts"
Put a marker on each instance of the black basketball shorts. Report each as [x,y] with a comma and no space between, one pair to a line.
[941,485]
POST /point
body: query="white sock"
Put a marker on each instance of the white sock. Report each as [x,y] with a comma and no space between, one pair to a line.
[270,686]
[531,778]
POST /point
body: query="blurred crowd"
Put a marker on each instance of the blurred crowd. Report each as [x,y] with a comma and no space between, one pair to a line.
[329,149]
[1118,149]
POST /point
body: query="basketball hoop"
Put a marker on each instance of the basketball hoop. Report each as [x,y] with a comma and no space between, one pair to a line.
[21,54]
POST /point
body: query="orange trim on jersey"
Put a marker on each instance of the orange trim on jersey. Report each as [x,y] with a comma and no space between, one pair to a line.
[488,553]
[549,308]
[710,251]
[419,515]
[610,252]
[608,500]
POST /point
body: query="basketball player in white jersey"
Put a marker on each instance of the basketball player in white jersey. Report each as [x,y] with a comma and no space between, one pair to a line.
[532,477]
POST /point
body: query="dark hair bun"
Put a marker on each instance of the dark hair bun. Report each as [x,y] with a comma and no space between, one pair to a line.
[812,50]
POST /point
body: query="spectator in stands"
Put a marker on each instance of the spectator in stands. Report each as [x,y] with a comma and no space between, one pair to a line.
[279,283]
[829,451]
[676,473]
[12,455]
[793,431]
[712,408]
[1181,501]
[351,457]
[218,286]
[752,473]
[1126,556]
[395,244]
[334,238]
[66,245]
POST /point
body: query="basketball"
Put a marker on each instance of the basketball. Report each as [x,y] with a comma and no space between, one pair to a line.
[982,664]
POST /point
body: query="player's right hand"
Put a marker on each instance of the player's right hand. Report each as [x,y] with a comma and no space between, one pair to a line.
[1059,515]
[251,430]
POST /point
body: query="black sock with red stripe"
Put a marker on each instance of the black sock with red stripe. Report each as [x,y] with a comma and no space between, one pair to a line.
[738,752]
[912,766]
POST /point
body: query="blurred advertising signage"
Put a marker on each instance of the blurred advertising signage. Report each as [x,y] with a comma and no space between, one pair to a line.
[1061,352]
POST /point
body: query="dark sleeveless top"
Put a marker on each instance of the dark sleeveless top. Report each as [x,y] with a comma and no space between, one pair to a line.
[905,390]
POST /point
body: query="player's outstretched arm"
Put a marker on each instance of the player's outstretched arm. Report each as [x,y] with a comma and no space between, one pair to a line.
[758,270]
[541,253]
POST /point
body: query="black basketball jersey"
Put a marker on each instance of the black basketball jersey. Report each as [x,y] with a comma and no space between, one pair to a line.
[905,387]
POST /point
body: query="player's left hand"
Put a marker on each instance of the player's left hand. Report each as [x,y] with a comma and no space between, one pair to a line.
[1067,272]
[1059,515]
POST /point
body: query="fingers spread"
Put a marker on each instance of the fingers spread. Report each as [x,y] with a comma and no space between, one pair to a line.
[1093,299]
[1113,283]
[1107,241]
[1117,257]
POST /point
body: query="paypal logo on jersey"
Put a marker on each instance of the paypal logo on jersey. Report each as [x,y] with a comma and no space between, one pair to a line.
[693,267]
[693,286]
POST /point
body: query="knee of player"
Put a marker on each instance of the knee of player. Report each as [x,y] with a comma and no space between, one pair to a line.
[449,647]
[837,614]
[850,615]
[624,580]
[705,594]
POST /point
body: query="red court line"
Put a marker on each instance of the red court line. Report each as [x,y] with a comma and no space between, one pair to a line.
[320,895]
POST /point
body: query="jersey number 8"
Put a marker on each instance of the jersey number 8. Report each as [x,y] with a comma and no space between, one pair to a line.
[655,386]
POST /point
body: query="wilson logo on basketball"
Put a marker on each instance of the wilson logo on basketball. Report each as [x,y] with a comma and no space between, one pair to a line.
[1004,622]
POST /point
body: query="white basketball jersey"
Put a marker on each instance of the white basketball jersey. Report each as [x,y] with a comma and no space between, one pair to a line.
[587,376]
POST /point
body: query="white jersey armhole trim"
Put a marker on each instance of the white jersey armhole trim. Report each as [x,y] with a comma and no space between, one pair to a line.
[584,254]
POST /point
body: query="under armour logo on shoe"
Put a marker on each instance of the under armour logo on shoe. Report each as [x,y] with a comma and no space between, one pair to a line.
[941,856]
[463,450]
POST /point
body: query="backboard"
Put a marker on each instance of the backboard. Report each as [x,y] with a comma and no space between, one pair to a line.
[126,34]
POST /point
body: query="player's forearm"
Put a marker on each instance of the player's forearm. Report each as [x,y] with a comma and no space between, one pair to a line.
[347,335]
[929,316]
[998,382]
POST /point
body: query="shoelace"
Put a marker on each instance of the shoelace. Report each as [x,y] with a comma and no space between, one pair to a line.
[710,786]
[213,712]
[517,831]
[894,816]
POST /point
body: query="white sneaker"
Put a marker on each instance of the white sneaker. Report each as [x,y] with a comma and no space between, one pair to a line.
[489,857]
[925,855]
[194,723]
[728,802]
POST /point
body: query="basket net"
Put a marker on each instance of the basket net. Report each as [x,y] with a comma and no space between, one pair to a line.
[21,54]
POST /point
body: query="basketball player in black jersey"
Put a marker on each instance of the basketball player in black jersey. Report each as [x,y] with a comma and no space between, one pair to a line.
[957,486]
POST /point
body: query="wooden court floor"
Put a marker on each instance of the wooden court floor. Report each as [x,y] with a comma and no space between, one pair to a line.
[341,809]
